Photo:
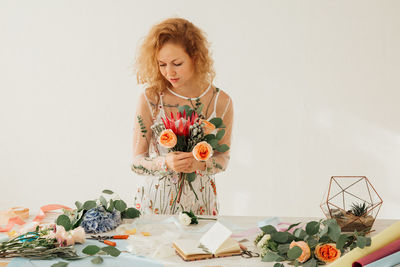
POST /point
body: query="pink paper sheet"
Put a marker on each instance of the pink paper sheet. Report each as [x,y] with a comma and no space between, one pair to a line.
[378,254]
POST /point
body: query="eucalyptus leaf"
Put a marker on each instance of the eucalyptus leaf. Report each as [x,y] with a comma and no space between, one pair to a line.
[130,213]
[220,134]
[222,148]
[343,238]
[334,232]
[299,233]
[294,253]
[361,241]
[268,229]
[312,228]
[103,202]
[97,260]
[311,263]
[217,122]
[324,239]
[329,222]
[291,238]
[185,108]
[78,205]
[324,231]
[273,245]
[312,242]
[368,239]
[111,206]
[78,218]
[271,256]
[283,248]
[90,204]
[200,109]
[279,265]
[213,143]
[91,249]
[209,137]
[190,177]
[106,191]
[120,205]
[111,251]
[280,237]
[60,264]
[292,225]
[64,221]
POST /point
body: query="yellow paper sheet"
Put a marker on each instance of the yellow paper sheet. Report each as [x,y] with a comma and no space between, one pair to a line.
[385,237]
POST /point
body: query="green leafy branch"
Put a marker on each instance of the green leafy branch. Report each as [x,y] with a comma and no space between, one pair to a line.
[213,139]
[72,219]
[93,250]
[277,248]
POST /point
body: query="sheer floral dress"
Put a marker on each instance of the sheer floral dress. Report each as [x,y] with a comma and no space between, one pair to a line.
[158,185]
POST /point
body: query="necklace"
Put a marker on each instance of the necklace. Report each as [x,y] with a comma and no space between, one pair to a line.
[190,98]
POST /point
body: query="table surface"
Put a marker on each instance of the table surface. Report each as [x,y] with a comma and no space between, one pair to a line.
[237,224]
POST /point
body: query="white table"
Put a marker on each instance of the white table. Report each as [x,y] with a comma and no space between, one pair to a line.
[246,222]
[243,222]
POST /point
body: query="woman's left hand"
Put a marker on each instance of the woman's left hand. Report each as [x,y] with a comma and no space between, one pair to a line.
[190,164]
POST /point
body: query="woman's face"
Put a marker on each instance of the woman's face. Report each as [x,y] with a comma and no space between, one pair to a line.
[176,65]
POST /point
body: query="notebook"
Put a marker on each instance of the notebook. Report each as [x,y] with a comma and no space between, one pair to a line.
[216,242]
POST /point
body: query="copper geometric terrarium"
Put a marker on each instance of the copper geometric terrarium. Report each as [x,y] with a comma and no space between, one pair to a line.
[352,201]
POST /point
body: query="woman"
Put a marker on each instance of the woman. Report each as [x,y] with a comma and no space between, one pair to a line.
[175,65]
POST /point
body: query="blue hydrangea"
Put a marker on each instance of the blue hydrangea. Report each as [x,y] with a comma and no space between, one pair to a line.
[98,220]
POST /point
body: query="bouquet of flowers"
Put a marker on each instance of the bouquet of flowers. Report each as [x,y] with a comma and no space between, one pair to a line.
[188,132]
[53,241]
[320,243]
[45,242]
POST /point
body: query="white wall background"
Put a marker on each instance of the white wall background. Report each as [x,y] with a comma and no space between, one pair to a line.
[315,86]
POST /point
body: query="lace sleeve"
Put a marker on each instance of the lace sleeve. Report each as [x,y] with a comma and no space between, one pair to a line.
[219,161]
[143,163]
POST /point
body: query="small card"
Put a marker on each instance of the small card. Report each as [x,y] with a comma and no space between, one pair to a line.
[215,237]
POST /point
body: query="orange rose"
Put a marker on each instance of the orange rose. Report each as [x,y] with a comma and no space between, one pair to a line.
[305,255]
[208,127]
[202,151]
[327,252]
[167,138]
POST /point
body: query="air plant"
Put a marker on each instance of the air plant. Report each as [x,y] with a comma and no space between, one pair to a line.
[358,209]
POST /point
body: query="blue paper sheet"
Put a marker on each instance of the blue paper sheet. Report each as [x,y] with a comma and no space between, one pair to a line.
[390,260]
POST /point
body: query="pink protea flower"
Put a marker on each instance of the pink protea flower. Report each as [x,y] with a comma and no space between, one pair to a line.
[182,123]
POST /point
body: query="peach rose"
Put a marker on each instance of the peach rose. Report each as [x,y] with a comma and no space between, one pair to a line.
[202,151]
[306,252]
[69,239]
[327,252]
[167,138]
[79,235]
[208,127]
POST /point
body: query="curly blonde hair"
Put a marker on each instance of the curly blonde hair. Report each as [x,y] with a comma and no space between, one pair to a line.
[179,31]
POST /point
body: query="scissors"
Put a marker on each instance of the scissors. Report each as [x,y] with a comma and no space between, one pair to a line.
[249,254]
[104,238]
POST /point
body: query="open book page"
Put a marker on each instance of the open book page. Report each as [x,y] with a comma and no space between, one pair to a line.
[215,242]
[190,247]
[215,237]
[190,250]
[228,247]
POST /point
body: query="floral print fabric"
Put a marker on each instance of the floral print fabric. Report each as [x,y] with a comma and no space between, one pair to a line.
[159,186]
